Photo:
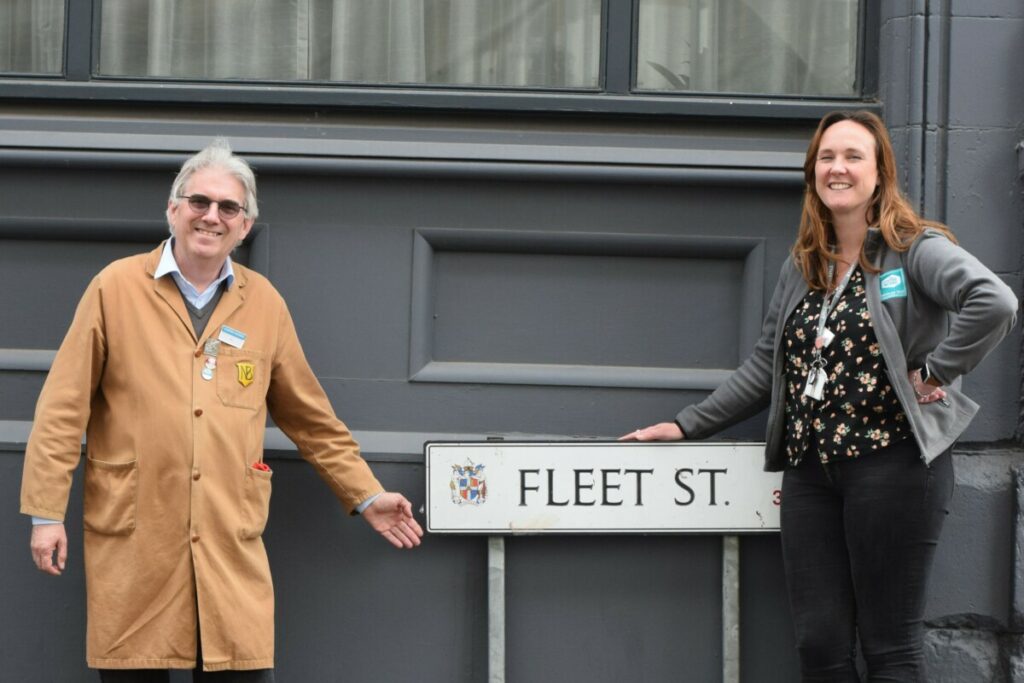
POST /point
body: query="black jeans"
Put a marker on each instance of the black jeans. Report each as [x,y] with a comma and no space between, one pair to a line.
[198,676]
[858,539]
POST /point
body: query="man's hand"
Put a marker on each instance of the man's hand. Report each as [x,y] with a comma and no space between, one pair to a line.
[391,515]
[47,538]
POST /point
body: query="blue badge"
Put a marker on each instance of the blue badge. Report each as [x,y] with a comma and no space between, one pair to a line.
[893,284]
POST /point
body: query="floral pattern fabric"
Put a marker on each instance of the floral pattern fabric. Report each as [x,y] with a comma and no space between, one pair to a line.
[859,411]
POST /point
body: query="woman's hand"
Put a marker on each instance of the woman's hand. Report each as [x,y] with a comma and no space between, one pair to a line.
[663,431]
[926,392]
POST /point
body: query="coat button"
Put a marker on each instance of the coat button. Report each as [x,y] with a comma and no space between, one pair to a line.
[198,412]
[195,539]
[198,353]
[196,476]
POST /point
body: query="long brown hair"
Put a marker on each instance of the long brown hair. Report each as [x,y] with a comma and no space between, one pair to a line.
[889,210]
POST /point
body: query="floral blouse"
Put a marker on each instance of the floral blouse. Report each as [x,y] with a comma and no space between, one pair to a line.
[858,412]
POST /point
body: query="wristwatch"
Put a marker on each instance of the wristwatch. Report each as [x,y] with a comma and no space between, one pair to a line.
[925,374]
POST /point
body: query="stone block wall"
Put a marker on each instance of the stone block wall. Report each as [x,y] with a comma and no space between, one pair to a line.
[953,97]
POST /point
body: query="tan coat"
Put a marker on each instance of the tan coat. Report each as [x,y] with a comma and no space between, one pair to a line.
[173,508]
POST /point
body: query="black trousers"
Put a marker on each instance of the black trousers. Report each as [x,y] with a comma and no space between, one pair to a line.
[858,539]
[198,676]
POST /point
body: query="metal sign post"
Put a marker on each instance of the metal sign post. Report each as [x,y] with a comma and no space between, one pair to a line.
[497,488]
[496,609]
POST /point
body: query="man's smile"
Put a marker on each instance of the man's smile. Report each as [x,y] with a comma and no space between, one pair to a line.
[206,231]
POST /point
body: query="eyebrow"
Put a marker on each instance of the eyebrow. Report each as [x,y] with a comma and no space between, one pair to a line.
[859,150]
[211,199]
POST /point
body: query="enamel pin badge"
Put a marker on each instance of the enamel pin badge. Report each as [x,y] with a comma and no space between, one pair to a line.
[246,372]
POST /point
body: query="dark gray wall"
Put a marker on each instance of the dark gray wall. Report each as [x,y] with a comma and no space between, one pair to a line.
[954,101]
[470,276]
[579,283]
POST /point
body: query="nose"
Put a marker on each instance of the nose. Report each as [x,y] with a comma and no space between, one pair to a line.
[212,214]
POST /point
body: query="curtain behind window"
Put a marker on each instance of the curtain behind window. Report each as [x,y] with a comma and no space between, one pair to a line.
[554,43]
[32,36]
[797,47]
[226,39]
[535,43]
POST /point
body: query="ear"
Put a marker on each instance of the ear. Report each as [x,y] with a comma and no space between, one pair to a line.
[246,227]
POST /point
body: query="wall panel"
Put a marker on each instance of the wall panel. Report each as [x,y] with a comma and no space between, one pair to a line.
[436,297]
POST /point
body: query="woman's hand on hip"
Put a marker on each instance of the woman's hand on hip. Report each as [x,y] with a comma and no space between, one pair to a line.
[925,392]
[663,431]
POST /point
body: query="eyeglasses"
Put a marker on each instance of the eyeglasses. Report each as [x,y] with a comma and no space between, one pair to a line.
[200,203]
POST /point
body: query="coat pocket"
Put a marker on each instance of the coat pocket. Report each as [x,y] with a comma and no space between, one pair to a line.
[255,503]
[111,496]
[242,378]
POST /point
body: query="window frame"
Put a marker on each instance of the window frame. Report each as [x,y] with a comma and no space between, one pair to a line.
[614,96]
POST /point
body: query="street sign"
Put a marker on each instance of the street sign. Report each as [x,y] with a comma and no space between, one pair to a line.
[499,487]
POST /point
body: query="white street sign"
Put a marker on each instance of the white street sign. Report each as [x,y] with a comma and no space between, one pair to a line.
[499,487]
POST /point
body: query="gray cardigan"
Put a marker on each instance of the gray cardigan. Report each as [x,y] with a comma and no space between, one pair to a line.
[910,301]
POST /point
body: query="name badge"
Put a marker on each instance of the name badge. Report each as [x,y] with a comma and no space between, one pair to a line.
[815,387]
[825,339]
[893,284]
[231,336]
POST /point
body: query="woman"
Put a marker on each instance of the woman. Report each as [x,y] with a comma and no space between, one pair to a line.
[860,365]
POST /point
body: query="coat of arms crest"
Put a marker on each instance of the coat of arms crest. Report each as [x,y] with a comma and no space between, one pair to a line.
[469,484]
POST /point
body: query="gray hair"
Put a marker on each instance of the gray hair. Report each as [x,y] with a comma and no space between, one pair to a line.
[218,154]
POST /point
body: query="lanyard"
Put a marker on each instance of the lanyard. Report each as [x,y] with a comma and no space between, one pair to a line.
[816,376]
[827,304]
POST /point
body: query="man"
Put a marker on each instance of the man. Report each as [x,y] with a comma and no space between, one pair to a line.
[170,366]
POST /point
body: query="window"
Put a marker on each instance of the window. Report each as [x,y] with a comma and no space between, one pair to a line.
[771,47]
[640,56]
[503,43]
[32,36]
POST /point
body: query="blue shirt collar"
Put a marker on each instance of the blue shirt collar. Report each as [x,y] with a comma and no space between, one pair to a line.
[169,266]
